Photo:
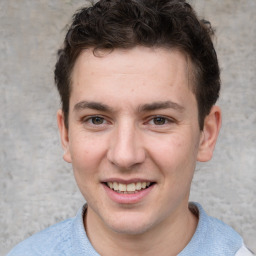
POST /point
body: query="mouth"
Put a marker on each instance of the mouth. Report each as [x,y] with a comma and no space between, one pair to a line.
[130,188]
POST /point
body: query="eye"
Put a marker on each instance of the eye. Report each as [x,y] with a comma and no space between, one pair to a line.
[159,120]
[97,120]
[160,123]
[94,121]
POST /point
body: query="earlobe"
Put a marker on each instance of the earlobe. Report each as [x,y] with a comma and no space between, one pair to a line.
[63,136]
[212,124]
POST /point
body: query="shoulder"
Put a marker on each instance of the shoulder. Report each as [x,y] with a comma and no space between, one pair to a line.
[212,237]
[63,239]
[216,229]
[55,240]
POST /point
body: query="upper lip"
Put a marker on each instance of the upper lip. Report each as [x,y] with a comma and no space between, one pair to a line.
[128,181]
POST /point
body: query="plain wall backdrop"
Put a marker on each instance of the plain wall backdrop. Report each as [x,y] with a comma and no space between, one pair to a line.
[37,188]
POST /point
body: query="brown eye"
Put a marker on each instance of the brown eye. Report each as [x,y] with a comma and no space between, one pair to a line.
[159,120]
[97,120]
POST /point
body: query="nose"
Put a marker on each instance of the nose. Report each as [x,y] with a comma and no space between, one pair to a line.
[126,148]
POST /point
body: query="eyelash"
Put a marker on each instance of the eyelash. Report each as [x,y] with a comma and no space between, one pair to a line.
[89,120]
[162,118]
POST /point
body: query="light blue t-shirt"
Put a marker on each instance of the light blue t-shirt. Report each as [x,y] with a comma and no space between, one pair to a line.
[212,238]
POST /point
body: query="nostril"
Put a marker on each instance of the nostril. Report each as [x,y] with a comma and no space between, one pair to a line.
[126,159]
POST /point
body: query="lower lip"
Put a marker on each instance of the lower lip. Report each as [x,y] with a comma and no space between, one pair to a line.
[121,198]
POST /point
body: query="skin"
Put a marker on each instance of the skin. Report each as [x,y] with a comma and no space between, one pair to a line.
[133,116]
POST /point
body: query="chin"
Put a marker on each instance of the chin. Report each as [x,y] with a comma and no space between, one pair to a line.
[130,230]
[130,226]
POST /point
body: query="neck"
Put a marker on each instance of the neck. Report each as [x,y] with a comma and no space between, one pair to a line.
[169,238]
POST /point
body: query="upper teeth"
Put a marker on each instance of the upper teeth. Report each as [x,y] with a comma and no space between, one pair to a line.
[131,187]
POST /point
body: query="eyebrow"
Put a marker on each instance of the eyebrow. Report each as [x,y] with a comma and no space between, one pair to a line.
[91,105]
[143,108]
[161,105]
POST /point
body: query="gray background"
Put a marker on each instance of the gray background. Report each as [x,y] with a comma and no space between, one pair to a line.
[37,187]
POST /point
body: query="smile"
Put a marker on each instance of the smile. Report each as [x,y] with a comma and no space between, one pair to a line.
[130,188]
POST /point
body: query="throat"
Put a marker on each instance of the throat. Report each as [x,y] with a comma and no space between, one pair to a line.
[168,238]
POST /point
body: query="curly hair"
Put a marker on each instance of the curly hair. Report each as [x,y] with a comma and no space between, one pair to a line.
[110,24]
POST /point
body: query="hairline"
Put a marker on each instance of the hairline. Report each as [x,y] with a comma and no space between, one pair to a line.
[191,68]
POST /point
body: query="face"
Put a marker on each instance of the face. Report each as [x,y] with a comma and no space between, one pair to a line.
[133,136]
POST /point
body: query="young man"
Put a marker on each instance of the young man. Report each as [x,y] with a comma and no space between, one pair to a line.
[138,80]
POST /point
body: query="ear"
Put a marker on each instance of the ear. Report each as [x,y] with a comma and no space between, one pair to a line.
[209,135]
[64,136]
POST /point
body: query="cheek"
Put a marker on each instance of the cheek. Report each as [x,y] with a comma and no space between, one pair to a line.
[86,154]
[85,157]
[175,154]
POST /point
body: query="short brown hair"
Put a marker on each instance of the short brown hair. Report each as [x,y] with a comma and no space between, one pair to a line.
[111,24]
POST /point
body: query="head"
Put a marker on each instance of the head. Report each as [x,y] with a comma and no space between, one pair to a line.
[138,80]
[117,24]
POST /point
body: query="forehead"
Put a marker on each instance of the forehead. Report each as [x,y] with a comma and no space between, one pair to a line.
[146,57]
[139,69]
